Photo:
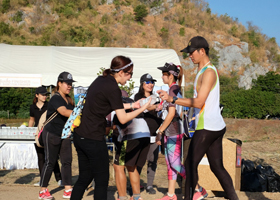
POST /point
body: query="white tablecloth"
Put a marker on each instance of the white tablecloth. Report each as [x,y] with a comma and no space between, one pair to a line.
[18,156]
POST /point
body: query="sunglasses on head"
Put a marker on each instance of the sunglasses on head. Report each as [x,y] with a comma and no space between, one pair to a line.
[148,82]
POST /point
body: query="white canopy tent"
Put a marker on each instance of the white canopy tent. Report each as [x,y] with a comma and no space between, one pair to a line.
[18,64]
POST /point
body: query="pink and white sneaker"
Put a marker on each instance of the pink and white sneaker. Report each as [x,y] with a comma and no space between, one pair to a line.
[200,194]
[67,194]
[166,197]
[45,194]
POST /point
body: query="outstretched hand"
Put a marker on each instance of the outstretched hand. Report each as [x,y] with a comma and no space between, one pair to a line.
[164,96]
[137,104]
[146,105]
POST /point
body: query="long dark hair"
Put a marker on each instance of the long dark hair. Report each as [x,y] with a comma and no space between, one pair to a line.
[117,63]
[68,97]
[141,90]
[35,100]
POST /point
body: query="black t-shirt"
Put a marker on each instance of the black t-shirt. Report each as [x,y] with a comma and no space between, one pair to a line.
[103,97]
[56,125]
[37,112]
[150,117]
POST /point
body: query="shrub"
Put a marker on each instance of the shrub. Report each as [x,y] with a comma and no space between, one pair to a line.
[104,37]
[213,55]
[254,56]
[5,29]
[164,34]
[5,5]
[140,12]
[233,31]
[68,11]
[18,16]
[182,32]
[104,19]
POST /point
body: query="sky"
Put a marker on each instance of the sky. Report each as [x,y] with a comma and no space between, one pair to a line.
[263,14]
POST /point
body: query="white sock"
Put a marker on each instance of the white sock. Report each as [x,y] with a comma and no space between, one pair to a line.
[68,190]
[170,195]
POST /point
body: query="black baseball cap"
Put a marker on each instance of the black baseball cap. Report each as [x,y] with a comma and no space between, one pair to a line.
[41,90]
[195,43]
[147,77]
[171,68]
[65,77]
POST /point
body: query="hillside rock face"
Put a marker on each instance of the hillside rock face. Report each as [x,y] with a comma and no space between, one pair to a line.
[233,58]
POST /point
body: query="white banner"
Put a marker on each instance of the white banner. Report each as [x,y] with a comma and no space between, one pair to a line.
[20,80]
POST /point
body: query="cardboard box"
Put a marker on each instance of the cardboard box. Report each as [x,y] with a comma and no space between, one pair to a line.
[232,163]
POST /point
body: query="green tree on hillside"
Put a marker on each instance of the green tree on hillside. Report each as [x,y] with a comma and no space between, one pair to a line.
[140,12]
[269,82]
[5,6]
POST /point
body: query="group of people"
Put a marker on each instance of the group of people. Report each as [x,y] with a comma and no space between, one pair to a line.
[140,130]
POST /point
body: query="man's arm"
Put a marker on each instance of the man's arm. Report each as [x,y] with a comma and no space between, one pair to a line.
[207,83]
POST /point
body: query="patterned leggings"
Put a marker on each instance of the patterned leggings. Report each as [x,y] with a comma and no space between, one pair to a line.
[173,151]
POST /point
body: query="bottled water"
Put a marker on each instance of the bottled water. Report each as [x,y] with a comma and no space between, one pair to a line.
[144,101]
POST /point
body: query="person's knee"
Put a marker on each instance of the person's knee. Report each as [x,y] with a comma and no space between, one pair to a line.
[216,166]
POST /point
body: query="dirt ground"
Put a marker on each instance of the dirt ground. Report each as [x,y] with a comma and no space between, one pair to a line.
[260,141]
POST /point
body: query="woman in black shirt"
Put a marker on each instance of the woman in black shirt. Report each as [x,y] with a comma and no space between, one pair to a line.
[103,97]
[54,146]
[147,84]
[38,107]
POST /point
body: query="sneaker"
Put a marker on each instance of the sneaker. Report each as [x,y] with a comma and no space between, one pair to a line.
[151,190]
[200,194]
[67,194]
[45,194]
[59,183]
[166,197]
[131,198]
[37,184]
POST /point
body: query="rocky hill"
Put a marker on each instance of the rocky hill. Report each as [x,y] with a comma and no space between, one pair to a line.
[235,50]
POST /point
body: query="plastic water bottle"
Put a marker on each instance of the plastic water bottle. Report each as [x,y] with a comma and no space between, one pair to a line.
[144,101]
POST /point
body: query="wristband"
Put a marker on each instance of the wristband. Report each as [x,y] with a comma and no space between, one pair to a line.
[159,132]
[174,99]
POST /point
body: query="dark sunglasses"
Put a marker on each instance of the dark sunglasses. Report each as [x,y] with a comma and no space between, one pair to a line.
[131,73]
[148,82]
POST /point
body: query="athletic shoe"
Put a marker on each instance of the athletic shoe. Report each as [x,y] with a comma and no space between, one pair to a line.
[45,194]
[200,194]
[37,184]
[131,198]
[67,194]
[166,197]
[151,190]
[59,183]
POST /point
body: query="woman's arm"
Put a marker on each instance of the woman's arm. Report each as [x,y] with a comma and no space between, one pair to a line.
[168,119]
[126,117]
[64,111]
[31,122]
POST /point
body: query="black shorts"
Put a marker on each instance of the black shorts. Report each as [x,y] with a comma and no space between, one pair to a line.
[132,152]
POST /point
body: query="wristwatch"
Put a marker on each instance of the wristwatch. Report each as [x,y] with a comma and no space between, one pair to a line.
[174,99]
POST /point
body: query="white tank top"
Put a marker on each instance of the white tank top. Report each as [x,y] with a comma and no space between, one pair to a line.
[209,116]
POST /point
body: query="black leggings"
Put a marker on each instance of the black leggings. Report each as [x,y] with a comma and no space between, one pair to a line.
[209,142]
[41,161]
[93,162]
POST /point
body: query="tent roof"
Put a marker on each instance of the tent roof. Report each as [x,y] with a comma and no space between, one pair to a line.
[82,62]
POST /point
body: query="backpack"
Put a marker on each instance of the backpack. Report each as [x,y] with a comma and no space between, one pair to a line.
[42,122]
[74,119]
